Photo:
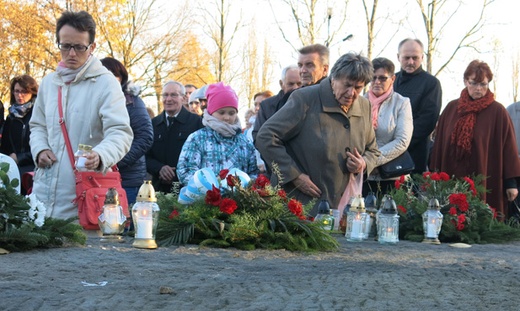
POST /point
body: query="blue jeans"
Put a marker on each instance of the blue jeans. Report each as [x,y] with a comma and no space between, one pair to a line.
[131,195]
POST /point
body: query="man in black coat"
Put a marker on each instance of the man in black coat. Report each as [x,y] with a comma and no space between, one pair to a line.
[171,129]
[425,93]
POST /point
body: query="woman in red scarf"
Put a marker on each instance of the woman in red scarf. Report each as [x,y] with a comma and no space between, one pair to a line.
[475,136]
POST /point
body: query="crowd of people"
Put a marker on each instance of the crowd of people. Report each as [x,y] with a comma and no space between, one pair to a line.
[320,130]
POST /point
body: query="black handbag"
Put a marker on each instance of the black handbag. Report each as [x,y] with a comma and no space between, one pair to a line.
[401,165]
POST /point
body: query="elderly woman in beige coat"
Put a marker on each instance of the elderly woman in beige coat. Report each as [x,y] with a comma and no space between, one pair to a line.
[323,134]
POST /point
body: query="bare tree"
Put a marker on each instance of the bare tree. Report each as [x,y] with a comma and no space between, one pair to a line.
[310,18]
[515,75]
[373,32]
[435,11]
[222,36]
[258,64]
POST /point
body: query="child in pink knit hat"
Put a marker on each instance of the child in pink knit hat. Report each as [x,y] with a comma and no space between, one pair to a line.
[220,144]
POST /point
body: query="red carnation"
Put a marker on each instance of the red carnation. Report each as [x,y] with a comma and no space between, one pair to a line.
[426,174]
[397,184]
[295,207]
[402,179]
[282,194]
[262,181]
[444,177]
[435,176]
[232,180]
[174,214]
[453,211]
[227,206]
[494,210]
[223,173]
[402,209]
[471,185]
[460,226]
[461,218]
[213,197]
[460,200]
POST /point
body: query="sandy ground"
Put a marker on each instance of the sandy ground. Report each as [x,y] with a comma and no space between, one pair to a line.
[360,276]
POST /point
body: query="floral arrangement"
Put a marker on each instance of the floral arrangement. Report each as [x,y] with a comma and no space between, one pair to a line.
[467,218]
[250,216]
[23,225]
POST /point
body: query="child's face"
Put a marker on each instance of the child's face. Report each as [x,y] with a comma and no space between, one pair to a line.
[226,114]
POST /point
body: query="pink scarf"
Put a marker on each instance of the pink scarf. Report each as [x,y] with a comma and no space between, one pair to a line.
[376,103]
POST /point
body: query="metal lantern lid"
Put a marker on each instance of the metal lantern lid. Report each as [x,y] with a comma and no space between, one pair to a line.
[389,207]
[371,202]
[324,207]
[434,204]
[112,197]
[146,192]
[358,205]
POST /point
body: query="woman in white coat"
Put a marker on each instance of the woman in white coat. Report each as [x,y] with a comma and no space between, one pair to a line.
[392,121]
[94,114]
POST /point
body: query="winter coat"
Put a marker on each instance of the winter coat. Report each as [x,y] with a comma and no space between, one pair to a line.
[15,139]
[167,144]
[94,114]
[310,134]
[133,166]
[207,148]
[493,151]
[425,94]
[394,129]
[514,113]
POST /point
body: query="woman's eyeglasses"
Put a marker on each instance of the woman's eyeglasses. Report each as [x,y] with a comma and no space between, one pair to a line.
[381,79]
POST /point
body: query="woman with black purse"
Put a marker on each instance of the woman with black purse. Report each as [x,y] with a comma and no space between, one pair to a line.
[392,121]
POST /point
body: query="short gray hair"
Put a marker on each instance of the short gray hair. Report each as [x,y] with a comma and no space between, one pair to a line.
[353,67]
[182,88]
[322,51]
[284,71]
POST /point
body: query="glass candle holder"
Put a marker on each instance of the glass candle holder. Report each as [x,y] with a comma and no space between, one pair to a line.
[356,221]
[145,215]
[112,220]
[388,222]
[432,222]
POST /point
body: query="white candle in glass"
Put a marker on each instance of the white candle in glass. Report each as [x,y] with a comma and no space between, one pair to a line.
[431,229]
[112,218]
[389,235]
[144,226]
[356,228]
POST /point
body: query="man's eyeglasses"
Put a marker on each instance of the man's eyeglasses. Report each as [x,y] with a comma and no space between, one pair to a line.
[381,79]
[23,92]
[476,84]
[172,95]
[65,47]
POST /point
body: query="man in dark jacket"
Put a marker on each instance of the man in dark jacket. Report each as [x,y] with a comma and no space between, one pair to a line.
[425,93]
[171,129]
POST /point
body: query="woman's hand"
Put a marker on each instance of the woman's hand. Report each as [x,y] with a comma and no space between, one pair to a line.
[511,193]
[355,162]
[93,162]
[46,159]
[306,186]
